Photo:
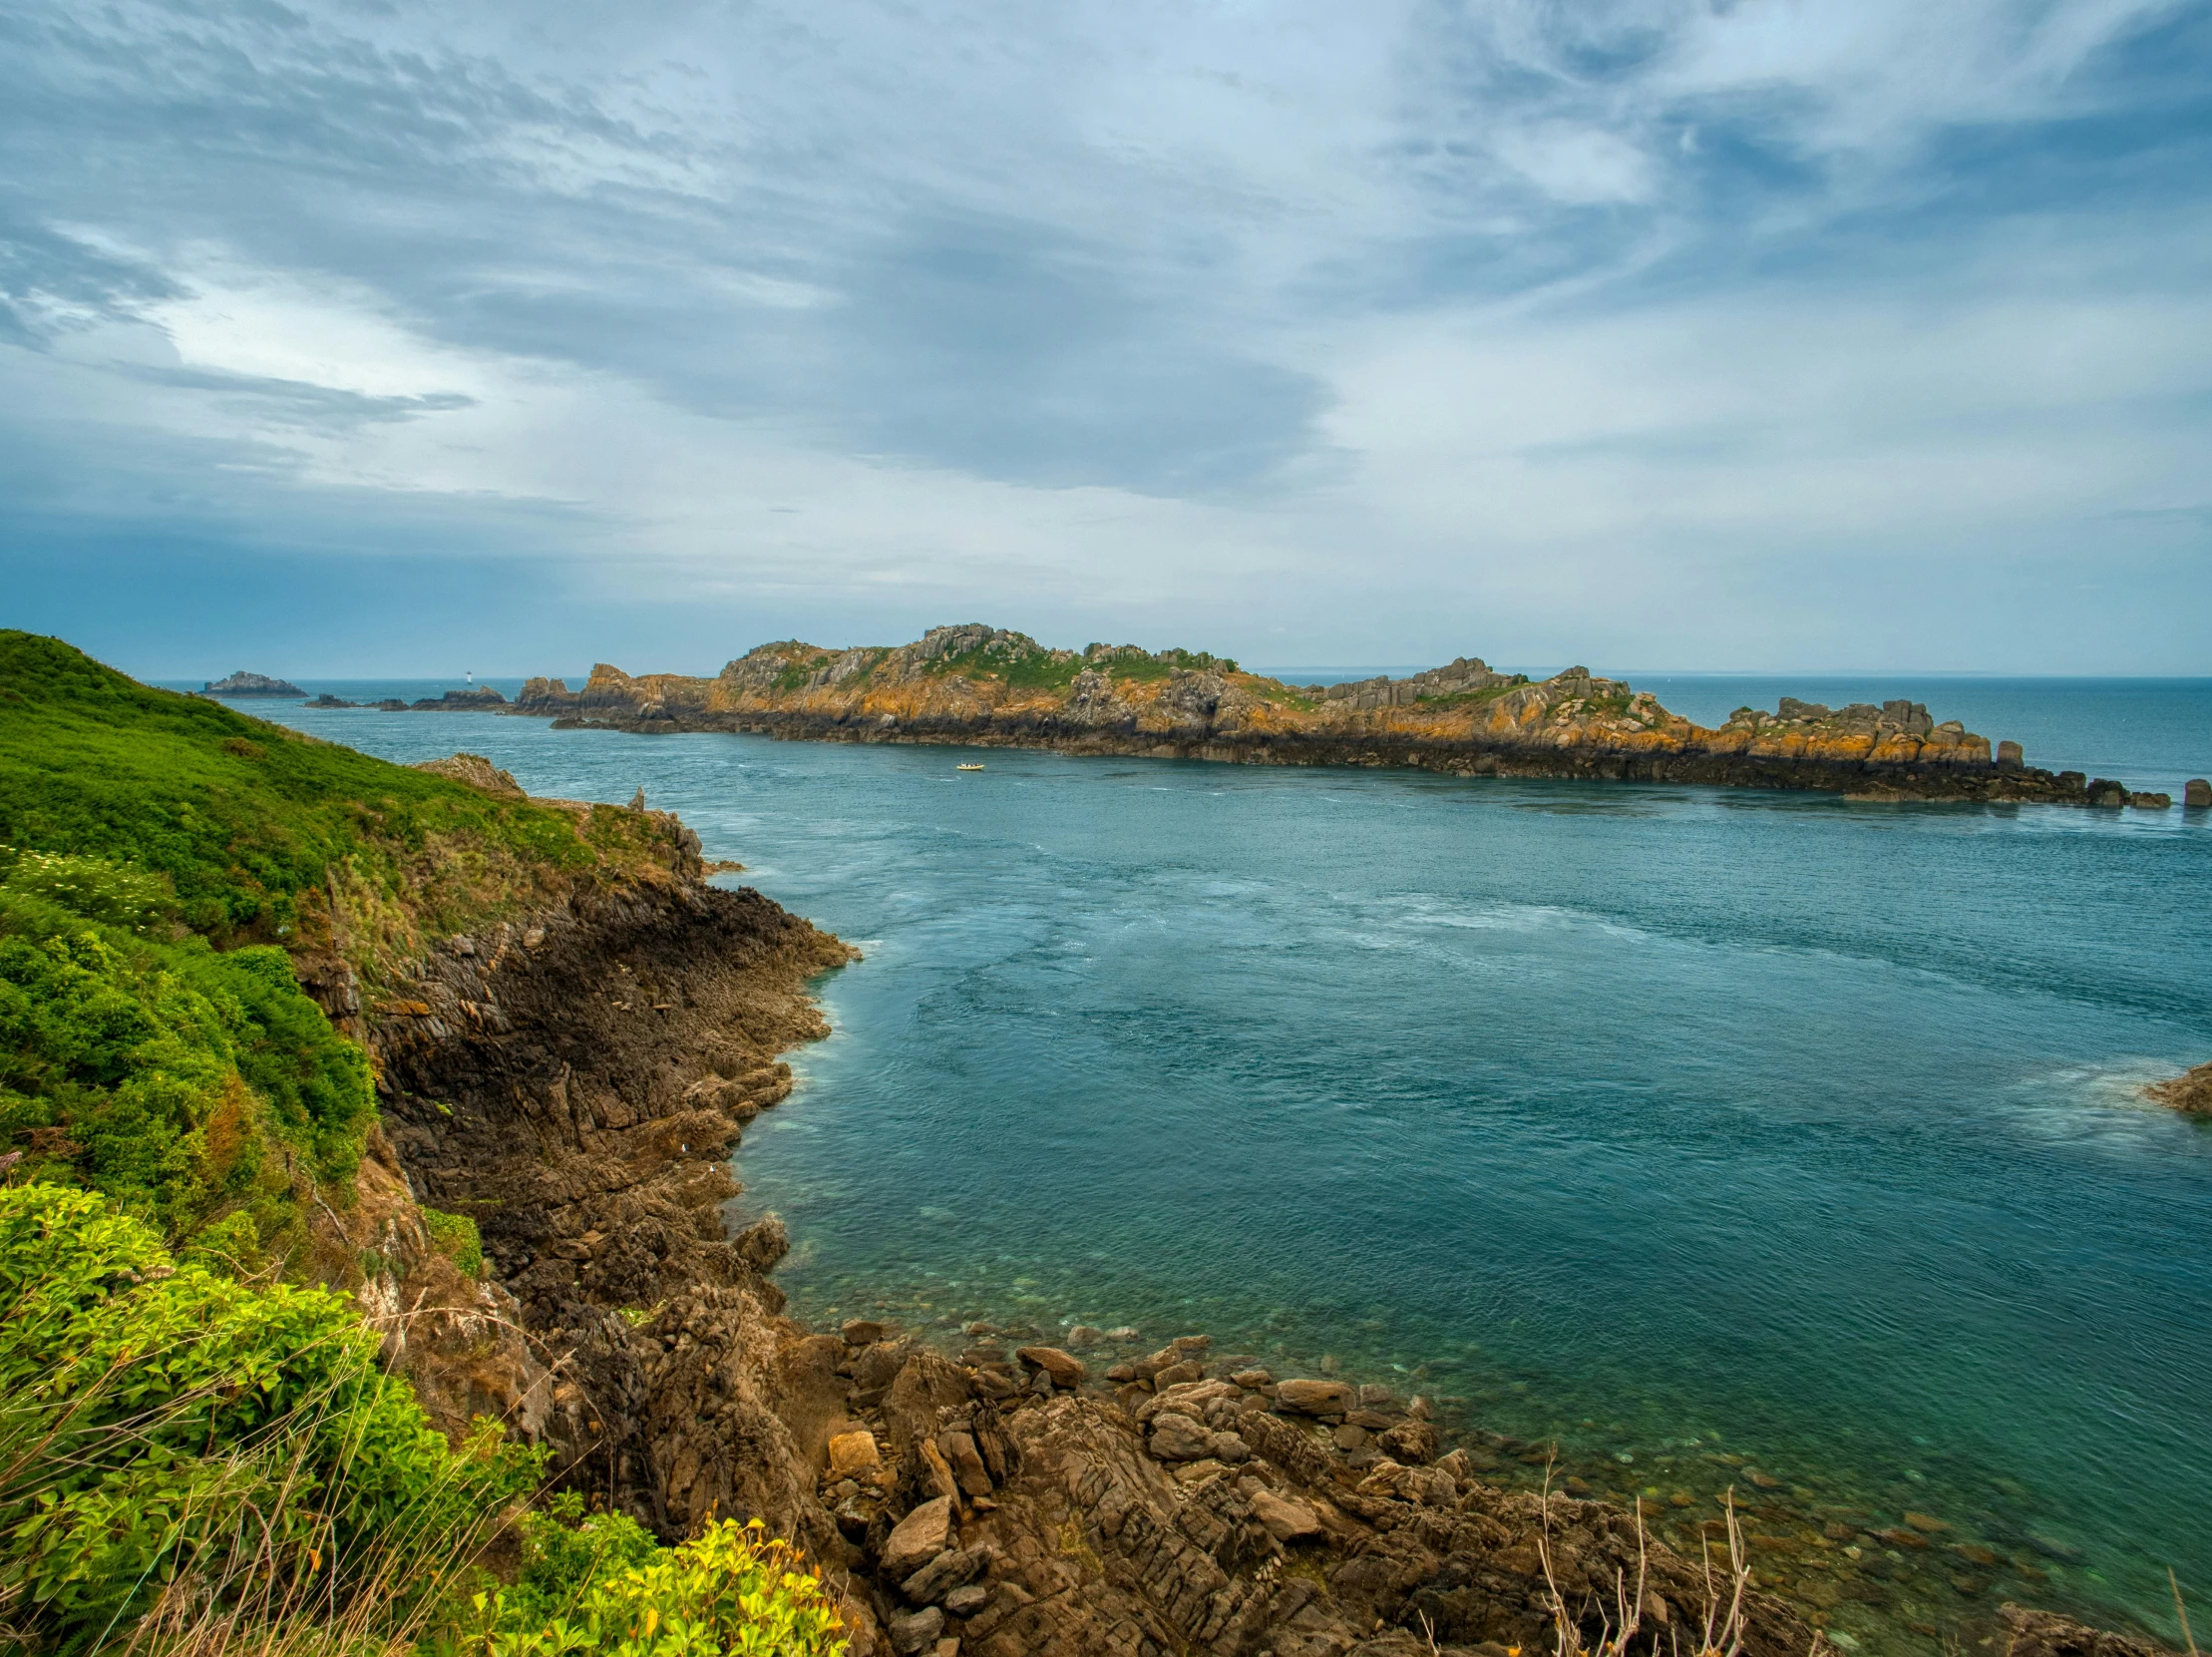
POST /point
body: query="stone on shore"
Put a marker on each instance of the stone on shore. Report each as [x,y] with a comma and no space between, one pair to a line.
[861,1332]
[1065,1369]
[917,1538]
[1315,1397]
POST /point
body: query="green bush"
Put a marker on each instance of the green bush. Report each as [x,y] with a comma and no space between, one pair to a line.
[186,1084]
[180,1447]
[455,1237]
[731,1592]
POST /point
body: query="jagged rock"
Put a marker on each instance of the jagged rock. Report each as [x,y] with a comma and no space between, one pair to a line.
[762,1244]
[925,1385]
[477,773]
[966,1461]
[2190,1093]
[1315,1397]
[917,1538]
[1412,1441]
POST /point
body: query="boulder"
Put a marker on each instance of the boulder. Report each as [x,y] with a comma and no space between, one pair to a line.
[1227,1447]
[1253,1377]
[924,1385]
[965,1602]
[2197,793]
[1410,1441]
[1315,1397]
[948,1570]
[1191,1399]
[2009,755]
[1286,1520]
[967,1463]
[916,1633]
[1179,1439]
[862,1332]
[851,1453]
[2151,802]
[917,1538]
[1083,1335]
[1175,1375]
[1064,1369]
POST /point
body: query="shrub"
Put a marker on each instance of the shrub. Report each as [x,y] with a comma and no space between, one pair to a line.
[455,1237]
[179,1447]
[732,1592]
[184,1084]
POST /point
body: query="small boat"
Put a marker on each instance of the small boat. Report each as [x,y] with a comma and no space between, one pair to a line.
[967,768]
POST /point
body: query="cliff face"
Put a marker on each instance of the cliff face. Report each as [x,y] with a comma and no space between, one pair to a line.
[983,686]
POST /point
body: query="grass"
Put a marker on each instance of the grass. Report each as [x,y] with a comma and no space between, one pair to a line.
[257,830]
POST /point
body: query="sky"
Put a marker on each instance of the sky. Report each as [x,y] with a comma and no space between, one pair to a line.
[365,336]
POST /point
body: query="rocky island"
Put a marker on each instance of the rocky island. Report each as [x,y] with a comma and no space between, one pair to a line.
[242,684]
[986,686]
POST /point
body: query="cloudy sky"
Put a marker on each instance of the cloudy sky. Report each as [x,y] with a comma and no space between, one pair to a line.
[364,335]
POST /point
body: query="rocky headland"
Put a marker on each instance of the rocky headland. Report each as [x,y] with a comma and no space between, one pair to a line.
[242,684]
[574,1078]
[980,685]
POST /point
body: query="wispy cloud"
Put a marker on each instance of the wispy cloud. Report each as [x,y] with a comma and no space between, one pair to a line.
[1316,331]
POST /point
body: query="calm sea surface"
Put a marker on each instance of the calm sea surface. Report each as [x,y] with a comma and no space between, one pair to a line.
[1719,1138]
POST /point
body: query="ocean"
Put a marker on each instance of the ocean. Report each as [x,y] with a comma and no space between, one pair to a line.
[1705,1138]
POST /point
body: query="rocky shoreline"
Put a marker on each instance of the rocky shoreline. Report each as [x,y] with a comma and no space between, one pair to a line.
[982,687]
[576,1080]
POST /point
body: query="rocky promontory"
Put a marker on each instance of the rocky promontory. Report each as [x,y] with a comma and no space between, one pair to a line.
[242,684]
[981,686]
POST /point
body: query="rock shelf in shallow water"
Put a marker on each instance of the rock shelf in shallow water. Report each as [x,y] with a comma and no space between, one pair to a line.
[986,687]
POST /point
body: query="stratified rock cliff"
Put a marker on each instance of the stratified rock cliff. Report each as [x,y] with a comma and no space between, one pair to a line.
[983,686]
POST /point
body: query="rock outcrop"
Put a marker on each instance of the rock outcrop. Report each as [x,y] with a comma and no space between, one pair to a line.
[477,773]
[2190,1093]
[242,684]
[983,686]
[476,698]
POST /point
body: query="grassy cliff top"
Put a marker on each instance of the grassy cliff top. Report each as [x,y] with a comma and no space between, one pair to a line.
[255,826]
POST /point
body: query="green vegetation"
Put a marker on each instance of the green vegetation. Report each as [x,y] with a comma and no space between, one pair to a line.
[455,1237]
[253,827]
[194,1087]
[1473,699]
[1160,664]
[1021,666]
[600,1583]
[178,1445]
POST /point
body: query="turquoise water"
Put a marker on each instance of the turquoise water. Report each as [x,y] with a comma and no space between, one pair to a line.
[1699,1132]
